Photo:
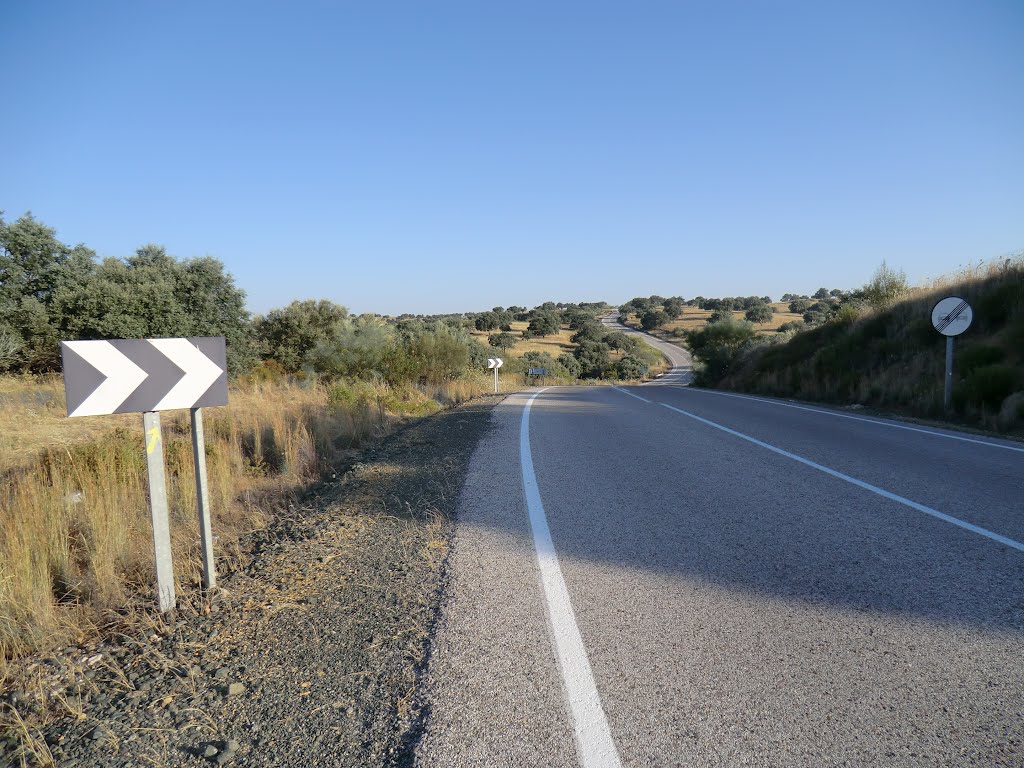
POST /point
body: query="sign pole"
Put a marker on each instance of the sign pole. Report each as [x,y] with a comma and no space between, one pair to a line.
[495,379]
[951,316]
[203,499]
[947,395]
[158,510]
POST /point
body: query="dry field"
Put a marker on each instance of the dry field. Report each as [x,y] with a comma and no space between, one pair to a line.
[75,541]
[553,345]
[693,318]
[556,345]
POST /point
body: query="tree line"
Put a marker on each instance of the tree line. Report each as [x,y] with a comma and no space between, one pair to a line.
[50,291]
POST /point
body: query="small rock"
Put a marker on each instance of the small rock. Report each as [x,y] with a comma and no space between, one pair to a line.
[99,733]
[235,689]
[210,751]
[231,745]
[221,674]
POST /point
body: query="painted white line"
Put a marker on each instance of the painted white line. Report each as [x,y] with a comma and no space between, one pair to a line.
[626,392]
[860,483]
[854,418]
[593,737]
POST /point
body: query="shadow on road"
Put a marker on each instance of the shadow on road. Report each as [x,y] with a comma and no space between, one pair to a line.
[668,495]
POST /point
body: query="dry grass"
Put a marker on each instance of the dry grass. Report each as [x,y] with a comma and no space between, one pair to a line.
[75,540]
[693,319]
[554,345]
[33,416]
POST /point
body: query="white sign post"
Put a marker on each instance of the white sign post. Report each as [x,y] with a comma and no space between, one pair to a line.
[951,316]
[495,363]
[147,376]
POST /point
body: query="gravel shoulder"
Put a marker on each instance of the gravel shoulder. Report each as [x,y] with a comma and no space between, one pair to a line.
[311,653]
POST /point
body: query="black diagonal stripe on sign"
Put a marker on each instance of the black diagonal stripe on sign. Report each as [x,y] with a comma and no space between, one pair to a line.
[80,378]
[944,324]
[215,349]
[953,315]
[163,375]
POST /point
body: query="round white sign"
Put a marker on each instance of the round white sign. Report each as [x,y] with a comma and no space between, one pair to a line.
[952,316]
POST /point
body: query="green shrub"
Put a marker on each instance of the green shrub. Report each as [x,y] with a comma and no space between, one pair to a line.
[760,313]
[589,331]
[976,356]
[847,314]
[987,386]
[502,340]
[652,319]
[630,367]
[593,358]
[544,323]
[717,346]
[720,315]
[886,287]
[571,364]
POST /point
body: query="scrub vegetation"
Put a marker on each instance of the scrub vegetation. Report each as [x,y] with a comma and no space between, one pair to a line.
[310,384]
[876,347]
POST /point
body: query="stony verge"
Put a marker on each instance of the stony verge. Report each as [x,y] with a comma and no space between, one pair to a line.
[310,654]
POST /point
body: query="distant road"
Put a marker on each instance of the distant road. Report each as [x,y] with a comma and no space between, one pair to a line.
[668,576]
[682,365]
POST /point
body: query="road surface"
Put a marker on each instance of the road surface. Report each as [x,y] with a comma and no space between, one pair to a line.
[682,366]
[667,576]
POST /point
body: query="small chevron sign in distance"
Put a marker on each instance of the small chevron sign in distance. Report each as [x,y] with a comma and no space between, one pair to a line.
[143,375]
[495,362]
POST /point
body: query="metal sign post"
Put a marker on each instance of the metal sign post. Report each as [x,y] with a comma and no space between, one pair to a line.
[158,510]
[203,499]
[146,376]
[495,363]
[951,316]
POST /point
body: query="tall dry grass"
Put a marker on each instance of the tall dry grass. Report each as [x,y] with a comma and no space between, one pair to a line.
[75,538]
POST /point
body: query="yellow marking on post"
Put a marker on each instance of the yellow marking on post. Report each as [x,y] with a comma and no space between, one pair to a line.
[152,438]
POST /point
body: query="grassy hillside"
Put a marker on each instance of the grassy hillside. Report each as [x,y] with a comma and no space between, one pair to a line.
[895,359]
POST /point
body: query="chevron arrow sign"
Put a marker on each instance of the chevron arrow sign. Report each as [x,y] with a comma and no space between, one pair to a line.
[141,375]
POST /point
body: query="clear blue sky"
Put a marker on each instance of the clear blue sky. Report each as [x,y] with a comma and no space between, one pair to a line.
[432,157]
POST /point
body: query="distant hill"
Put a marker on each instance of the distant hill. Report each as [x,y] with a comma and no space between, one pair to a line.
[895,359]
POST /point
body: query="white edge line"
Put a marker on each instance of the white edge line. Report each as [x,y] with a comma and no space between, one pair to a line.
[626,392]
[593,736]
[860,483]
[854,418]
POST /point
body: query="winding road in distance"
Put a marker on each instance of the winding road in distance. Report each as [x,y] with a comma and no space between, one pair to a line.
[682,366]
[669,576]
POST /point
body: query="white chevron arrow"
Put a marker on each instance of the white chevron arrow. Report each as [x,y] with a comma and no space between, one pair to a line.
[495,362]
[200,373]
[123,376]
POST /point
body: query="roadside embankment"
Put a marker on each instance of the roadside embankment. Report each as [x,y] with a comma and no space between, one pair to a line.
[894,359]
[311,652]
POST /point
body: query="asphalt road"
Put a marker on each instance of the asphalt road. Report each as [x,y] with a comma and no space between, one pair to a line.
[729,582]
[682,365]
